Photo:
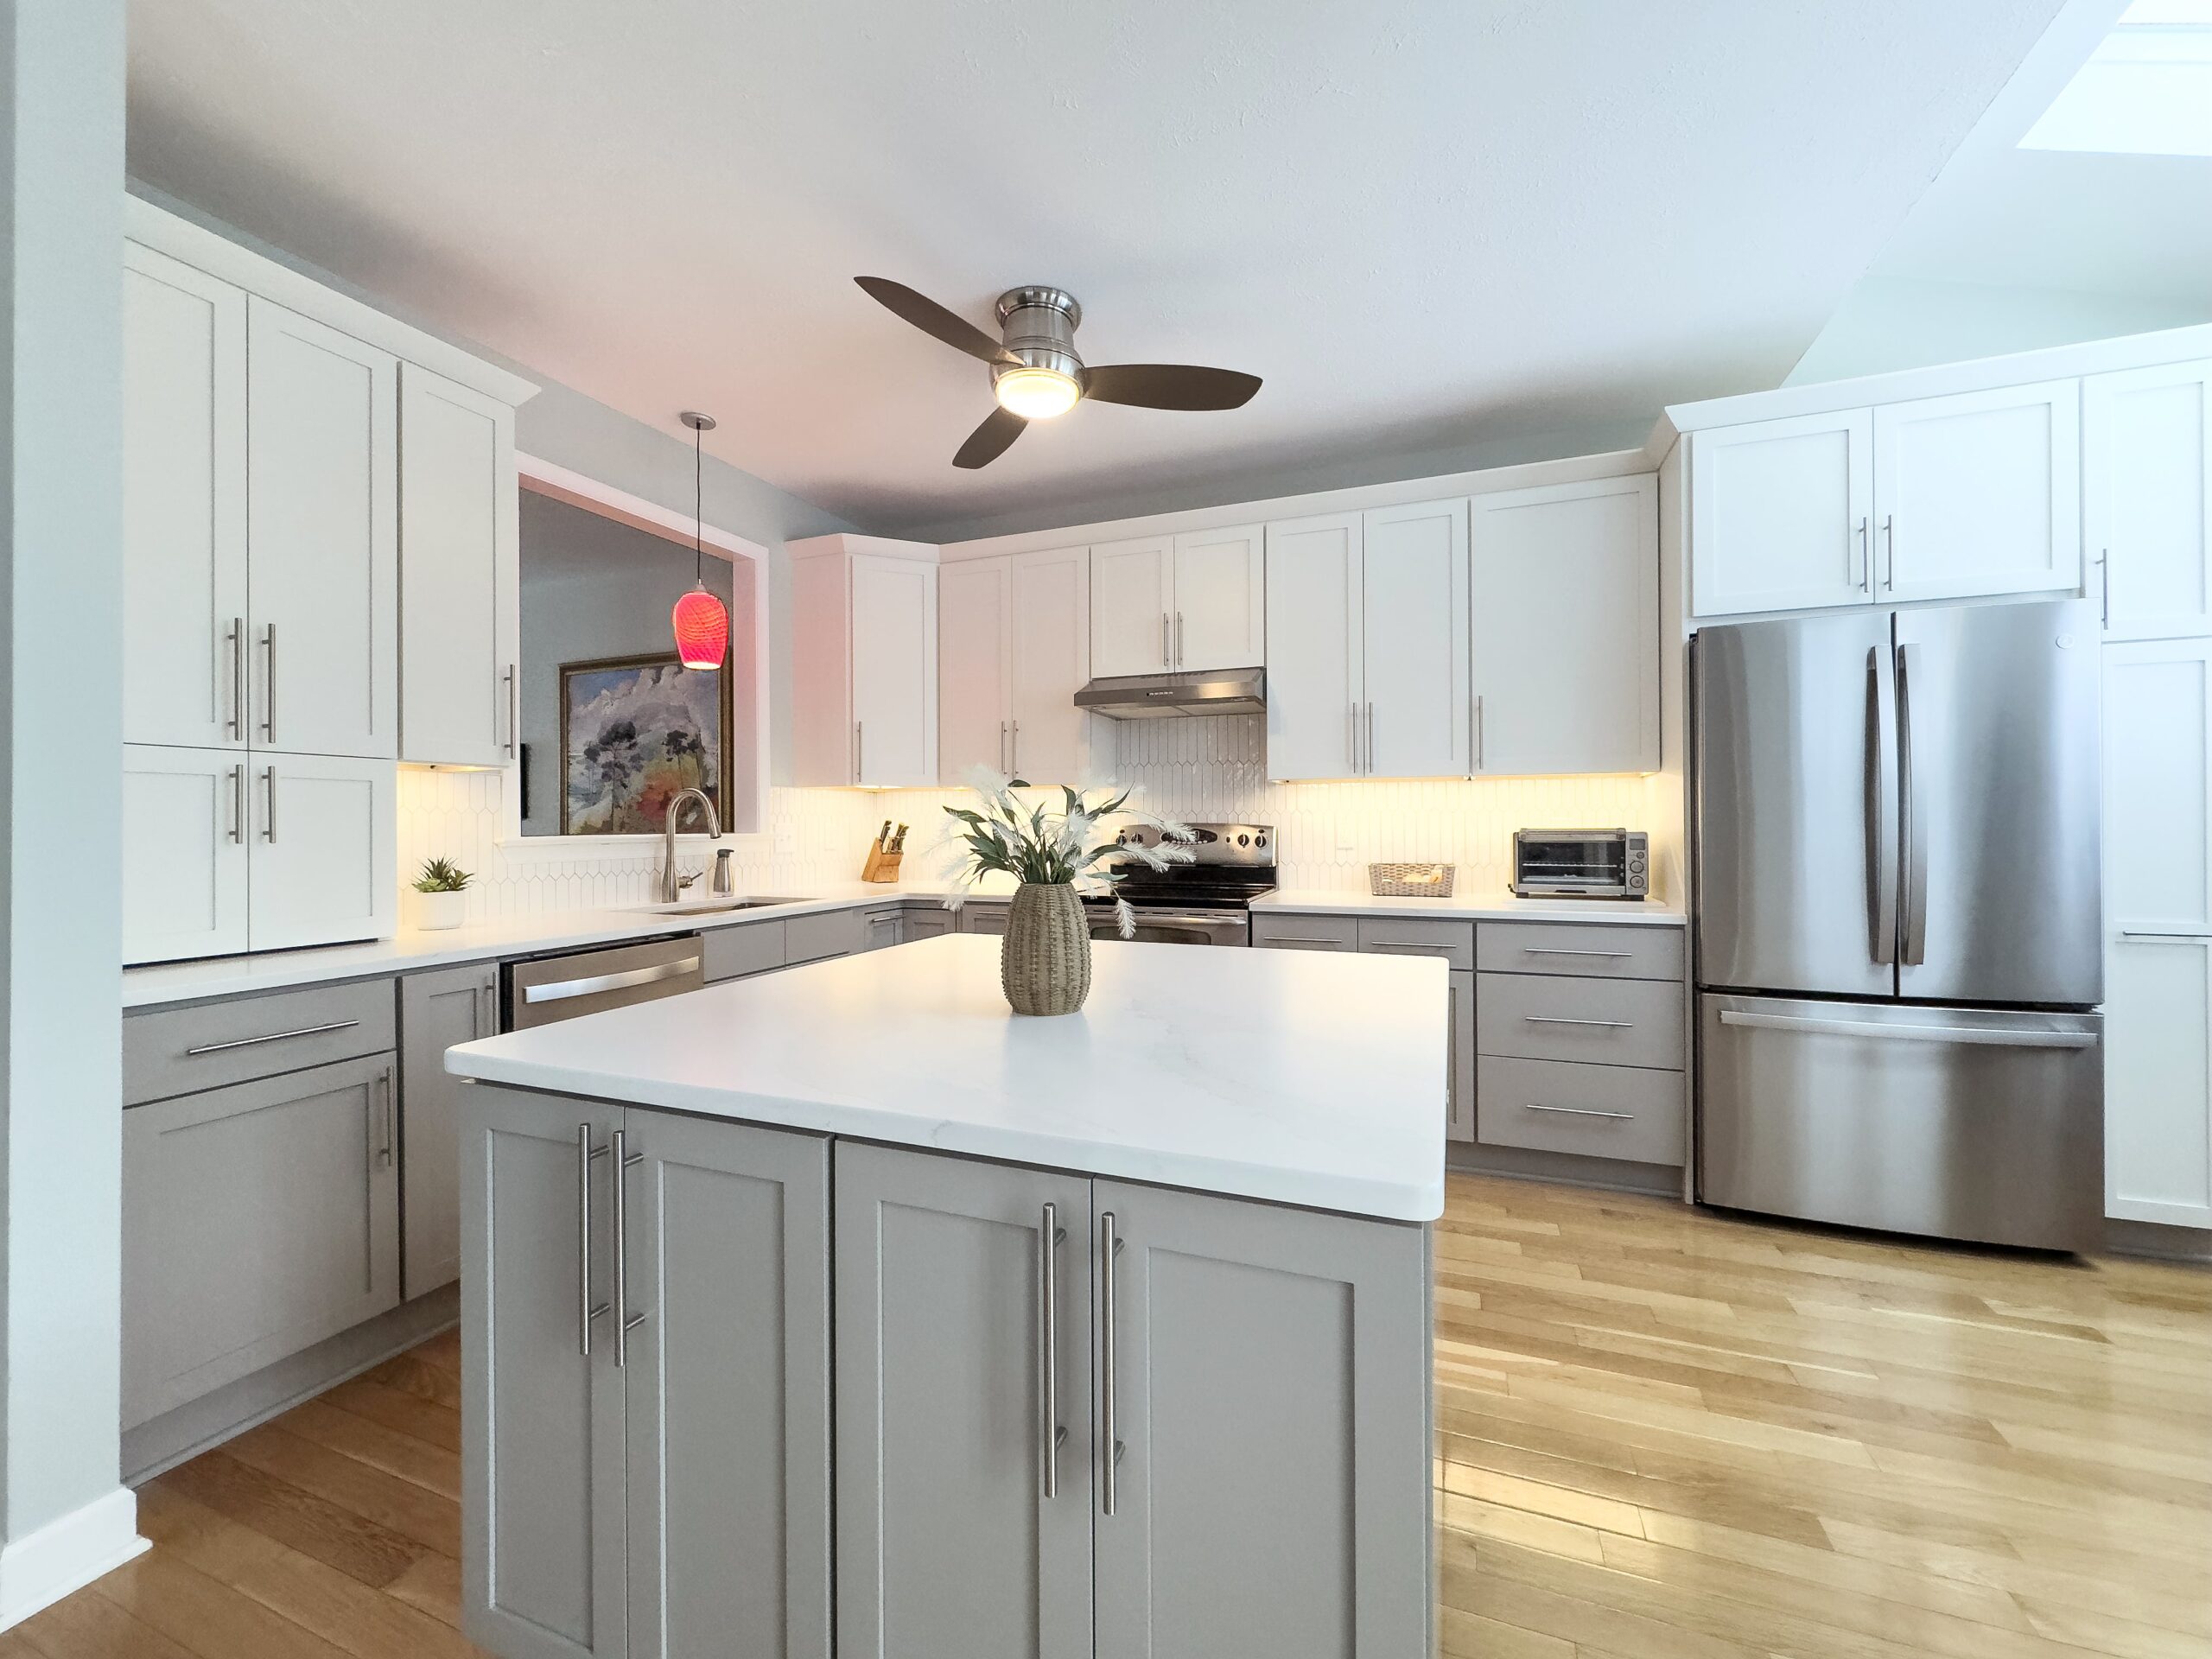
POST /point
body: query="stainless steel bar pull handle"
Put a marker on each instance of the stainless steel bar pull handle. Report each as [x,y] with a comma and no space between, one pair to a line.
[1865,564]
[2166,933]
[1478,734]
[624,1321]
[514,712]
[1881,811]
[587,1310]
[1049,1234]
[1003,766]
[238,802]
[1178,639]
[1351,734]
[271,1036]
[858,751]
[1370,737]
[1892,1032]
[1578,1111]
[1555,1020]
[268,822]
[269,685]
[1889,552]
[1912,822]
[1552,950]
[1013,746]
[390,1123]
[1167,659]
[2104,578]
[237,722]
[1108,1416]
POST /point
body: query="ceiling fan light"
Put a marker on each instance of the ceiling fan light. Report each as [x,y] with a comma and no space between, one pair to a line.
[1036,394]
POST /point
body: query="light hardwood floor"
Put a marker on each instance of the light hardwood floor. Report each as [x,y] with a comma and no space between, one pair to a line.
[1661,1435]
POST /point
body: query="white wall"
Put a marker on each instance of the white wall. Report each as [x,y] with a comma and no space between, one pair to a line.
[67,1518]
[1896,323]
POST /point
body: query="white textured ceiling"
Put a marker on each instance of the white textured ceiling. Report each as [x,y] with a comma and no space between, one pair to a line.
[1436,226]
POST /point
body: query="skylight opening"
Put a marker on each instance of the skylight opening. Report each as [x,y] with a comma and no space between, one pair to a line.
[2146,90]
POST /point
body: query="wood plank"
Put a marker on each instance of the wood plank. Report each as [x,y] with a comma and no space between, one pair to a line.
[330,1533]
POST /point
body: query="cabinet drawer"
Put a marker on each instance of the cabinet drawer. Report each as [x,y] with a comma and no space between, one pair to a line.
[926,922]
[1390,936]
[984,918]
[734,952]
[1305,932]
[826,933]
[1579,948]
[1623,1022]
[1601,1111]
[176,1050]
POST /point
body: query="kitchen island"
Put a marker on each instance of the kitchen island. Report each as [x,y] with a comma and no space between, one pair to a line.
[845,1309]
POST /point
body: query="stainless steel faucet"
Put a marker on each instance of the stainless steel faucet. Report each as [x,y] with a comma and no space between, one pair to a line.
[669,886]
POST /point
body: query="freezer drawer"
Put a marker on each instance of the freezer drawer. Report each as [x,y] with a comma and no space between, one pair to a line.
[1951,1122]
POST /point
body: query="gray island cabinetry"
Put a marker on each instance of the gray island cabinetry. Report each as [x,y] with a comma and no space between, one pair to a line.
[760,1363]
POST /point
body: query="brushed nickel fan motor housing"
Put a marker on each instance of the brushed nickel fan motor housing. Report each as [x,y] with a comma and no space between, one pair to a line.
[1038,324]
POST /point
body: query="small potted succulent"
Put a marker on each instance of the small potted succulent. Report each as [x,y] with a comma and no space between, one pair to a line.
[1056,857]
[442,894]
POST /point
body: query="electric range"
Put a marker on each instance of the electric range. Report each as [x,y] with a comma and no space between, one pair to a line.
[1203,902]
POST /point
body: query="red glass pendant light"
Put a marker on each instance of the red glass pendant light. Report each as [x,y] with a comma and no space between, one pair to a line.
[701,624]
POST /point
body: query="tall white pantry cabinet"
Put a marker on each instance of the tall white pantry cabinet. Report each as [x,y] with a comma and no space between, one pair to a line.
[319,583]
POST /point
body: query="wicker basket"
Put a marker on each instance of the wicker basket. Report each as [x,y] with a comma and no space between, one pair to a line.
[1045,959]
[1410,880]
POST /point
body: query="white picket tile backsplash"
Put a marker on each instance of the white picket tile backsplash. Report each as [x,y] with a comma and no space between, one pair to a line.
[1209,769]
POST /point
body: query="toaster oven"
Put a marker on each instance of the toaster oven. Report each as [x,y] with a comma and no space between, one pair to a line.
[1581,863]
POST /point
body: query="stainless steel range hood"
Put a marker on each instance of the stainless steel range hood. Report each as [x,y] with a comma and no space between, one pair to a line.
[1147,696]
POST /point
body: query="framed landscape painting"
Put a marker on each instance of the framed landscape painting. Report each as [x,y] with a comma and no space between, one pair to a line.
[636,731]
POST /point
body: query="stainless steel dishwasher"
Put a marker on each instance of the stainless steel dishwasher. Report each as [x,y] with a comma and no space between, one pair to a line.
[538,990]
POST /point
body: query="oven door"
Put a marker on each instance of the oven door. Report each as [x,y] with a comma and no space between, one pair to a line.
[1178,926]
[1571,864]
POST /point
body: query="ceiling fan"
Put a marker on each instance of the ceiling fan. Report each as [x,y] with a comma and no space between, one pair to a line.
[1035,372]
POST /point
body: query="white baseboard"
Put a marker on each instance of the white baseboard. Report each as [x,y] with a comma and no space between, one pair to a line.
[68,1554]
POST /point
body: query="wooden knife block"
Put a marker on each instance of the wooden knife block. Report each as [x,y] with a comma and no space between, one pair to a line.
[880,866]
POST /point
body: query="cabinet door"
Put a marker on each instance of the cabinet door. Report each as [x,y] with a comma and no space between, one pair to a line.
[2158,944]
[1316,639]
[1781,514]
[1132,607]
[975,696]
[728,1389]
[1415,660]
[436,1010]
[183,505]
[1050,656]
[953,1537]
[894,672]
[258,1220]
[1460,1111]
[323,512]
[1566,628]
[1980,494]
[184,853]
[1264,1398]
[823,749]
[325,860]
[1221,598]
[2146,498]
[458,620]
[544,1565]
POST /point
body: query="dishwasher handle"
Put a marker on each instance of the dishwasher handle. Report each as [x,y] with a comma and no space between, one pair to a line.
[593,984]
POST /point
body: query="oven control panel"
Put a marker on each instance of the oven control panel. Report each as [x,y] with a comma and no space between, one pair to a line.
[1217,844]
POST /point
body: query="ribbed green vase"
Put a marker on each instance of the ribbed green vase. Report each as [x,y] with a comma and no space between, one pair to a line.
[1044,960]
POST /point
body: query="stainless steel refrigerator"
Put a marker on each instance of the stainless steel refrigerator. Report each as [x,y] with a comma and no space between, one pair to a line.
[1897,927]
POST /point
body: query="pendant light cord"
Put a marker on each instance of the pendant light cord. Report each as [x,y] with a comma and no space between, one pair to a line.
[698,506]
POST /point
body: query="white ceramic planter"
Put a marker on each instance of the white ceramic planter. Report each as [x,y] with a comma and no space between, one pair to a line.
[433,911]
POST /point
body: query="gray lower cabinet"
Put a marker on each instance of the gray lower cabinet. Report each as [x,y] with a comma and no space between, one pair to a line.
[1460,1107]
[926,922]
[258,1219]
[984,918]
[955,1534]
[436,1010]
[662,1490]
[883,928]
[1264,1393]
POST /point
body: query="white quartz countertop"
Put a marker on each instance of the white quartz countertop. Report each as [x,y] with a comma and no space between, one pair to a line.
[1471,908]
[1299,1078]
[515,936]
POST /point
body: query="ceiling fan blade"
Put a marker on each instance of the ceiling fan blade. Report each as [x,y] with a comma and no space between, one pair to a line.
[990,440]
[932,319]
[1169,386]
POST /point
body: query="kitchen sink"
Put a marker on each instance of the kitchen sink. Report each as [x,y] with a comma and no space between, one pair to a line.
[706,907]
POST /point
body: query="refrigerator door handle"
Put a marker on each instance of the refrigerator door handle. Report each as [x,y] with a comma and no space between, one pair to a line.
[1912,820]
[1882,811]
[1989,1036]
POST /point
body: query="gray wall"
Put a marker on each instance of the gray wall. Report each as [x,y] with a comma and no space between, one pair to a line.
[61,723]
[565,426]
[594,589]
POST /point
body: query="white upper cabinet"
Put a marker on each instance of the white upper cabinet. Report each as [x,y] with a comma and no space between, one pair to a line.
[184,550]
[2146,499]
[864,652]
[1566,628]
[323,523]
[1195,601]
[975,691]
[1220,599]
[324,864]
[1413,610]
[1781,514]
[1979,493]
[2158,916]
[185,820]
[1315,648]
[1132,607]
[458,573]
[1049,661]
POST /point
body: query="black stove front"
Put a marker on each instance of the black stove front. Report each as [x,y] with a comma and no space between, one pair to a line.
[1202,902]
